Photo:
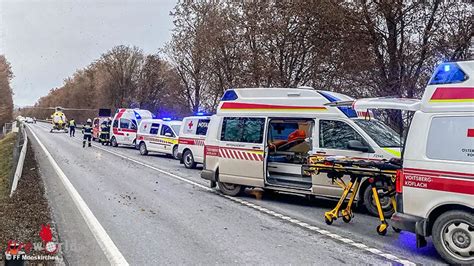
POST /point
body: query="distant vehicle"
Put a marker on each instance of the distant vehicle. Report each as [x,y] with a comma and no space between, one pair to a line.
[191,140]
[435,188]
[125,124]
[261,137]
[29,120]
[158,135]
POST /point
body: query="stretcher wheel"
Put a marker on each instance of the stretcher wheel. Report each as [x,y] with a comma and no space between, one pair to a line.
[346,216]
[328,220]
[398,230]
[382,229]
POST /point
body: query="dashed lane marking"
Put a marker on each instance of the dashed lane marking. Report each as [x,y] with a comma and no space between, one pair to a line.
[111,251]
[277,215]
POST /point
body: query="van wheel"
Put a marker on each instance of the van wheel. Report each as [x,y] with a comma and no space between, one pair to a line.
[175,152]
[385,203]
[188,160]
[230,189]
[114,143]
[143,149]
[453,237]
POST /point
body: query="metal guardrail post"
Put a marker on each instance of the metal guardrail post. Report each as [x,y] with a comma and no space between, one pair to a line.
[19,154]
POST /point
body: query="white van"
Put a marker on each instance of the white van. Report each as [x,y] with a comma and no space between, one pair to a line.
[125,124]
[261,137]
[191,140]
[157,135]
[435,188]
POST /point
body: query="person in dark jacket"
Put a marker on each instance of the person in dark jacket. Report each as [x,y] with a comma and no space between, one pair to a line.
[87,131]
[105,132]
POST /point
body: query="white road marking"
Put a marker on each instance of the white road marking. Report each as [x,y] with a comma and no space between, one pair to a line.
[105,242]
[272,213]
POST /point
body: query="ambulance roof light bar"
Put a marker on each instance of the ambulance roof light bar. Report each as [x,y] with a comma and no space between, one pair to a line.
[448,73]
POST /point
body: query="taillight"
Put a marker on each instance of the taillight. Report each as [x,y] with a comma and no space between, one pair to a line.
[399,181]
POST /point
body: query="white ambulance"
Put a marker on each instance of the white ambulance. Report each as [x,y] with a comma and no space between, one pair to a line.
[158,135]
[125,125]
[261,137]
[435,188]
[191,140]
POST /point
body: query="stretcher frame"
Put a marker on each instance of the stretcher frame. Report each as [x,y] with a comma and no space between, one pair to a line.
[356,169]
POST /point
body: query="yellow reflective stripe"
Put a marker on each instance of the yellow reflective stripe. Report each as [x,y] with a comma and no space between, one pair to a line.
[452,100]
[393,152]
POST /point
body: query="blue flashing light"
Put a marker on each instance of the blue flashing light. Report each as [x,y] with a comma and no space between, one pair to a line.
[199,113]
[166,119]
[448,73]
[348,111]
[137,115]
[229,95]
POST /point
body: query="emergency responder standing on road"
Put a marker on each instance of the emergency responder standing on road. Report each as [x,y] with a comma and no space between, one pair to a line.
[105,132]
[72,127]
[87,131]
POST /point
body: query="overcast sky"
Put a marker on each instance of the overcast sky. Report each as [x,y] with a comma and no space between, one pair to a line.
[47,40]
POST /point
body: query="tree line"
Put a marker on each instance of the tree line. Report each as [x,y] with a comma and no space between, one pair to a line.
[6,93]
[361,48]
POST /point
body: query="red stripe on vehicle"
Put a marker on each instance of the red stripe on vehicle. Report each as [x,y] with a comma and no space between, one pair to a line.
[116,132]
[436,172]
[229,105]
[128,130]
[446,93]
[439,183]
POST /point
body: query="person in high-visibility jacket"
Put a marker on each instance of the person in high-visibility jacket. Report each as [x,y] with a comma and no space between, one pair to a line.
[72,127]
[87,131]
[105,132]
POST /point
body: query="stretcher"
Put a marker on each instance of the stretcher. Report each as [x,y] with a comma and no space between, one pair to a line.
[379,173]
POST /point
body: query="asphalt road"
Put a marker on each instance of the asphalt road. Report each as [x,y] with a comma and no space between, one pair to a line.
[156,211]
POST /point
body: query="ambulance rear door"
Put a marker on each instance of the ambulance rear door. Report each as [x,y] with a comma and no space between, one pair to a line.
[241,150]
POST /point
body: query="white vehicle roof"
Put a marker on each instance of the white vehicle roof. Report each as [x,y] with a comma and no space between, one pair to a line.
[197,117]
[139,114]
[278,101]
[161,121]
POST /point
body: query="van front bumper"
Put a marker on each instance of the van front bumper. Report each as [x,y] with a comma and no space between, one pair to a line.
[208,175]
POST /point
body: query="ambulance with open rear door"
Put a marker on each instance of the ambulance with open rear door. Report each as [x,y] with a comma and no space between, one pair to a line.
[435,188]
[261,137]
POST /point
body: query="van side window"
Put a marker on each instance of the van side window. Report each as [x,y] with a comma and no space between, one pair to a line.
[239,129]
[124,123]
[451,138]
[154,129]
[336,134]
[166,129]
[202,127]
[115,124]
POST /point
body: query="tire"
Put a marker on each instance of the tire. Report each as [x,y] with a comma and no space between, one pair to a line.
[188,160]
[453,237]
[230,189]
[369,204]
[113,141]
[142,148]
[175,152]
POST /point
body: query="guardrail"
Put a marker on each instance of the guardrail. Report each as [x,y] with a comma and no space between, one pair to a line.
[19,153]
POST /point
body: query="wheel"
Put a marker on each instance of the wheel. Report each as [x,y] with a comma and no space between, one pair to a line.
[382,229]
[114,143]
[142,148]
[328,220]
[397,230]
[346,216]
[188,160]
[230,189]
[385,203]
[175,152]
[453,237]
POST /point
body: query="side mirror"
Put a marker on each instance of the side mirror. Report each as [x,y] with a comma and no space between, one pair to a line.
[357,146]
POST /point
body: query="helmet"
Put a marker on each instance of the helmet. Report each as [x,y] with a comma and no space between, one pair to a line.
[89,120]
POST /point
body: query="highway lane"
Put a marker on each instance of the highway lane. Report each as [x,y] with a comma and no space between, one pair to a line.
[154,218]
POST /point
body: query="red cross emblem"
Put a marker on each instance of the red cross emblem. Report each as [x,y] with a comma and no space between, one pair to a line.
[190,125]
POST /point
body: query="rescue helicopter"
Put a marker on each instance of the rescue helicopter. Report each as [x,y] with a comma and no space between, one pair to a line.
[58,118]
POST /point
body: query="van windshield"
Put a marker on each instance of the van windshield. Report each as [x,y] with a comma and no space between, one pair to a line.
[383,135]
